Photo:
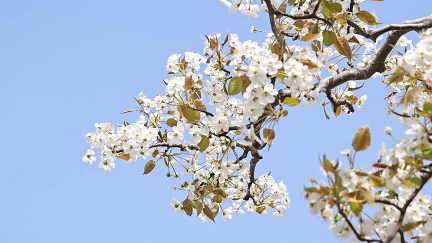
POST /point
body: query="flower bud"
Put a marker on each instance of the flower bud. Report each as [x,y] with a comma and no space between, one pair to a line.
[388,130]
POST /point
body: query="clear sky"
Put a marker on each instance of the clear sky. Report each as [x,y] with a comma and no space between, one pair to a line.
[65,65]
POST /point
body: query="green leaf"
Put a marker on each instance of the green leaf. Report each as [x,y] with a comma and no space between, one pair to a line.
[424,154]
[204,143]
[218,198]
[291,101]
[235,86]
[361,139]
[315,28]
[191,115]
[338,180]
[187,207]
[149,167]
[427,107]
[336,8]
[329,37]
[416,182]
[356,208]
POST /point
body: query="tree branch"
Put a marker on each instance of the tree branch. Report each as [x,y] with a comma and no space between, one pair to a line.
[374,34]
[388,203]
[167,145]
[398,226]
[275,31]
[359,237]
[378,63]
[304,16]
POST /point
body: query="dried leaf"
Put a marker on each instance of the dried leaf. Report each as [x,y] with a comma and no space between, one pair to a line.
[128,111]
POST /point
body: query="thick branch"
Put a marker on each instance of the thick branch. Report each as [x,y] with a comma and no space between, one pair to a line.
[377,64]
[374,34]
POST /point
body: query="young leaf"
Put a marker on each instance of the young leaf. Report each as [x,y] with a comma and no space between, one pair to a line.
[309,36]
[204,143]
[291,101]
[199,104]
[234,86]
[368,196]
[342,46]
[171,122]
[187,206]
[245,83]
[208,212]
[356,208]
[397,75]
[188,83]
[410,226]
[307,62]
[327,165]
[124,156]
[149,167]
[367,17]
[198,206]
[361,139]
[411,95]
[316,45]
[269,135]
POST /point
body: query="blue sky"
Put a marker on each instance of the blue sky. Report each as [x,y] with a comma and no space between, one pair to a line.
[68,64]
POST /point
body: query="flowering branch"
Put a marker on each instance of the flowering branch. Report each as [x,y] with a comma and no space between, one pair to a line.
[359,237]
[305,16]
[424,180]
